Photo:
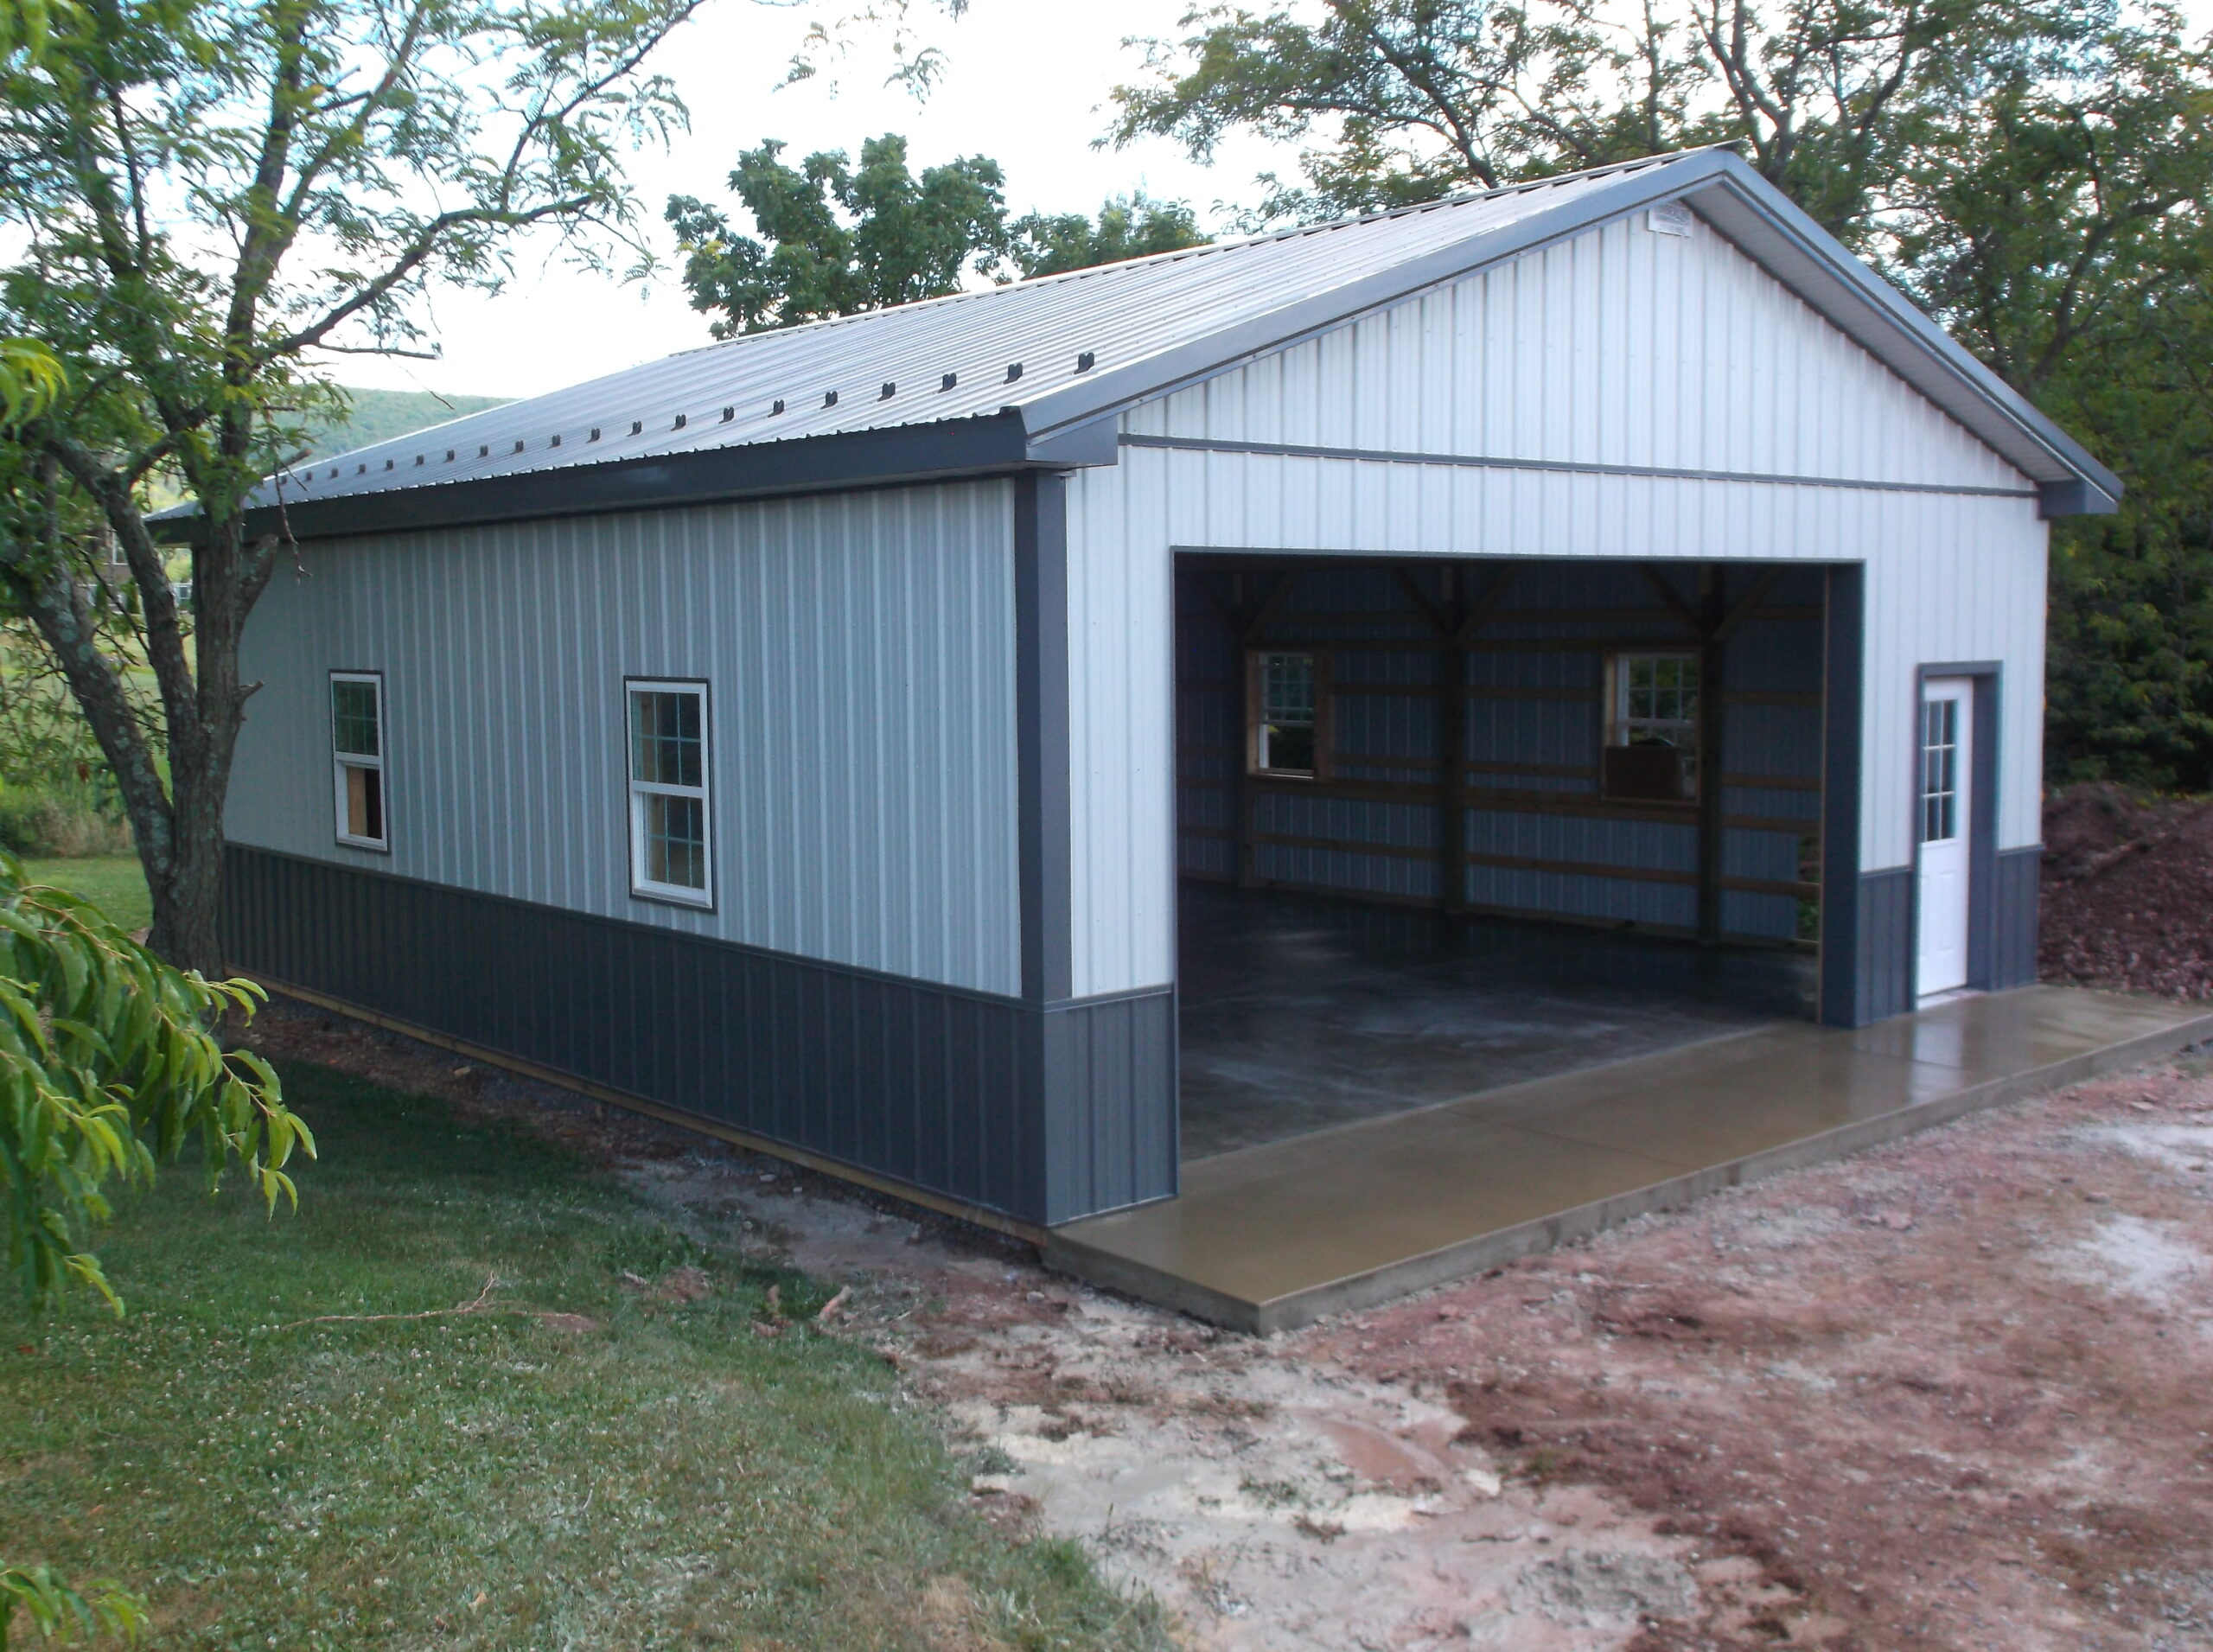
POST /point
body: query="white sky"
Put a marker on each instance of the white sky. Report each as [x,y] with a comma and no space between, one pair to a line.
[1027,83]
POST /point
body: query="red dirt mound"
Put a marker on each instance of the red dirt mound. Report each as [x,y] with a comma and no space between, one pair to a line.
[2128,892]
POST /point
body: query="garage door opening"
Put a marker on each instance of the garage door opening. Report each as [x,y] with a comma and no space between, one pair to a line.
[1446,828]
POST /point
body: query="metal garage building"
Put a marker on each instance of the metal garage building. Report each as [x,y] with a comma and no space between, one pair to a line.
[809,732]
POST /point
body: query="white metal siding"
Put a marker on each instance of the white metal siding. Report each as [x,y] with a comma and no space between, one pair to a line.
[860,651]
[1620,348]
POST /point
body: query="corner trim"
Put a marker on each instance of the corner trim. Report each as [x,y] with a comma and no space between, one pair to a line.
[1041,650]
[1844,643]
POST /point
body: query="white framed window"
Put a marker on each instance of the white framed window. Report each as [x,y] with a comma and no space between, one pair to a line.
[357,759]
[1654,714]
[671,848]
[1286,702]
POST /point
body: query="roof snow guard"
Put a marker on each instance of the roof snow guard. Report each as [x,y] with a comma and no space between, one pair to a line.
[1034,374]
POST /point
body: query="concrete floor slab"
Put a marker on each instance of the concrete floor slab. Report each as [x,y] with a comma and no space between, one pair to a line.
[1301,1013]
[1277,1236]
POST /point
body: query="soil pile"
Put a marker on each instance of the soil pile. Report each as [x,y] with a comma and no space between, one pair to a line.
[2128,892]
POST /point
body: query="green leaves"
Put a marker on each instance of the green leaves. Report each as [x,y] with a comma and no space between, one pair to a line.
[839,239]
[110,1061]
[59,1610]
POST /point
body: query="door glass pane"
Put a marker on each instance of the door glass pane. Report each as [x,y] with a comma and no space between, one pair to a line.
[1940,777]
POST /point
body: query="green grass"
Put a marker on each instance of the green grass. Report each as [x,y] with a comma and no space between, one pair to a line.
[115,884]
[667,1478]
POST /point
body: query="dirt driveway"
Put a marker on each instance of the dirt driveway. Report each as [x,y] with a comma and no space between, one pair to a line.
[1952,1394]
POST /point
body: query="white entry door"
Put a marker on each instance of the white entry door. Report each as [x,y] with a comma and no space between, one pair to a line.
[1947,798]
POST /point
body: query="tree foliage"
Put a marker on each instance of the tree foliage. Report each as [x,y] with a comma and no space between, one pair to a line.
[2036,173]
[110,1062]
[837,239]
[1128,226]
[217,196]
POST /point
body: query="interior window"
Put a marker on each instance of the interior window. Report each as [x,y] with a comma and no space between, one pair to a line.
[1652,735]
[358,756]
[669,854]
[1284,741]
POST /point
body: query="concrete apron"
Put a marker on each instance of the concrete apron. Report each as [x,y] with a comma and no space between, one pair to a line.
[1277,1236]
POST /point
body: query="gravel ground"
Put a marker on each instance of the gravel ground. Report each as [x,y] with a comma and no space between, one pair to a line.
[1946,1395]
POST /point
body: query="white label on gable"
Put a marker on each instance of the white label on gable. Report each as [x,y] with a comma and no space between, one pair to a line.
[1674,219]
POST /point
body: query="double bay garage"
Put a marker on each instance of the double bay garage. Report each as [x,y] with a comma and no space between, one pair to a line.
[1501,635]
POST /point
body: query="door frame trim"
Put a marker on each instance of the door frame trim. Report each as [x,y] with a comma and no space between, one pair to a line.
[1984,679]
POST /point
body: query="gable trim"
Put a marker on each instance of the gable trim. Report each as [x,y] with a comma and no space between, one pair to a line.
[1568,467]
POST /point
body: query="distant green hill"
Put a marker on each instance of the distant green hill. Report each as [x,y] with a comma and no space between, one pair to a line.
[380,415]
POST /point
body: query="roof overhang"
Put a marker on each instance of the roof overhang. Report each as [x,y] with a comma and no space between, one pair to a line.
[1076,425]
[996,444]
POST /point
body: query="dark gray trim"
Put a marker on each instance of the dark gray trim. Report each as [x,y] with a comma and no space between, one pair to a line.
[1984,679]
[1043,1113]
[996,442]
[1040,668]
[2074,497]
[1476,462]
[2017,879]
[1109,1085]
[1774,232]
[1884,954]
[1844,986]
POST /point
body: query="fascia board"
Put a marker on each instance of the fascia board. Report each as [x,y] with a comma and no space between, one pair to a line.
[1768,228]
[994,442]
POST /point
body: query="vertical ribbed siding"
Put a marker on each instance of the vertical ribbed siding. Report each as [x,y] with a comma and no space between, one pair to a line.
[1621,347]
[1046,1114]
[859,651]
[2019,885]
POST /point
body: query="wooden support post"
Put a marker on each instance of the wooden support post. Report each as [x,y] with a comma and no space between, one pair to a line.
[1255,623]
[1712,619]
[1453,741]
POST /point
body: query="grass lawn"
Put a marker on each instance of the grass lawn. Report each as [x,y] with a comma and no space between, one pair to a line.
[645,1474]
[115,884]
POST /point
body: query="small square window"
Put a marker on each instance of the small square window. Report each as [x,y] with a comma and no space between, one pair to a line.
[357,750]
[670,846]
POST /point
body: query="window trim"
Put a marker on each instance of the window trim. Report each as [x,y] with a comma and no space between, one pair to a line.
[1616,720]
[1255,704]
[341,762]
[641,888]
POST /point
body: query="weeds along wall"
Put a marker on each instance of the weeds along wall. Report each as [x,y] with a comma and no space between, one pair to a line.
[1518,824]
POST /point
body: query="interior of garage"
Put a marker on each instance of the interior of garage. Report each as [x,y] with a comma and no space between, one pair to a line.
[1624,859]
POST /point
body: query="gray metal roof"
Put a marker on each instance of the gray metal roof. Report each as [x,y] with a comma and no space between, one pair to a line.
[1056,353]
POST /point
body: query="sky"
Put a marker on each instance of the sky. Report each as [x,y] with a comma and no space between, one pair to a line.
[1027,82]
